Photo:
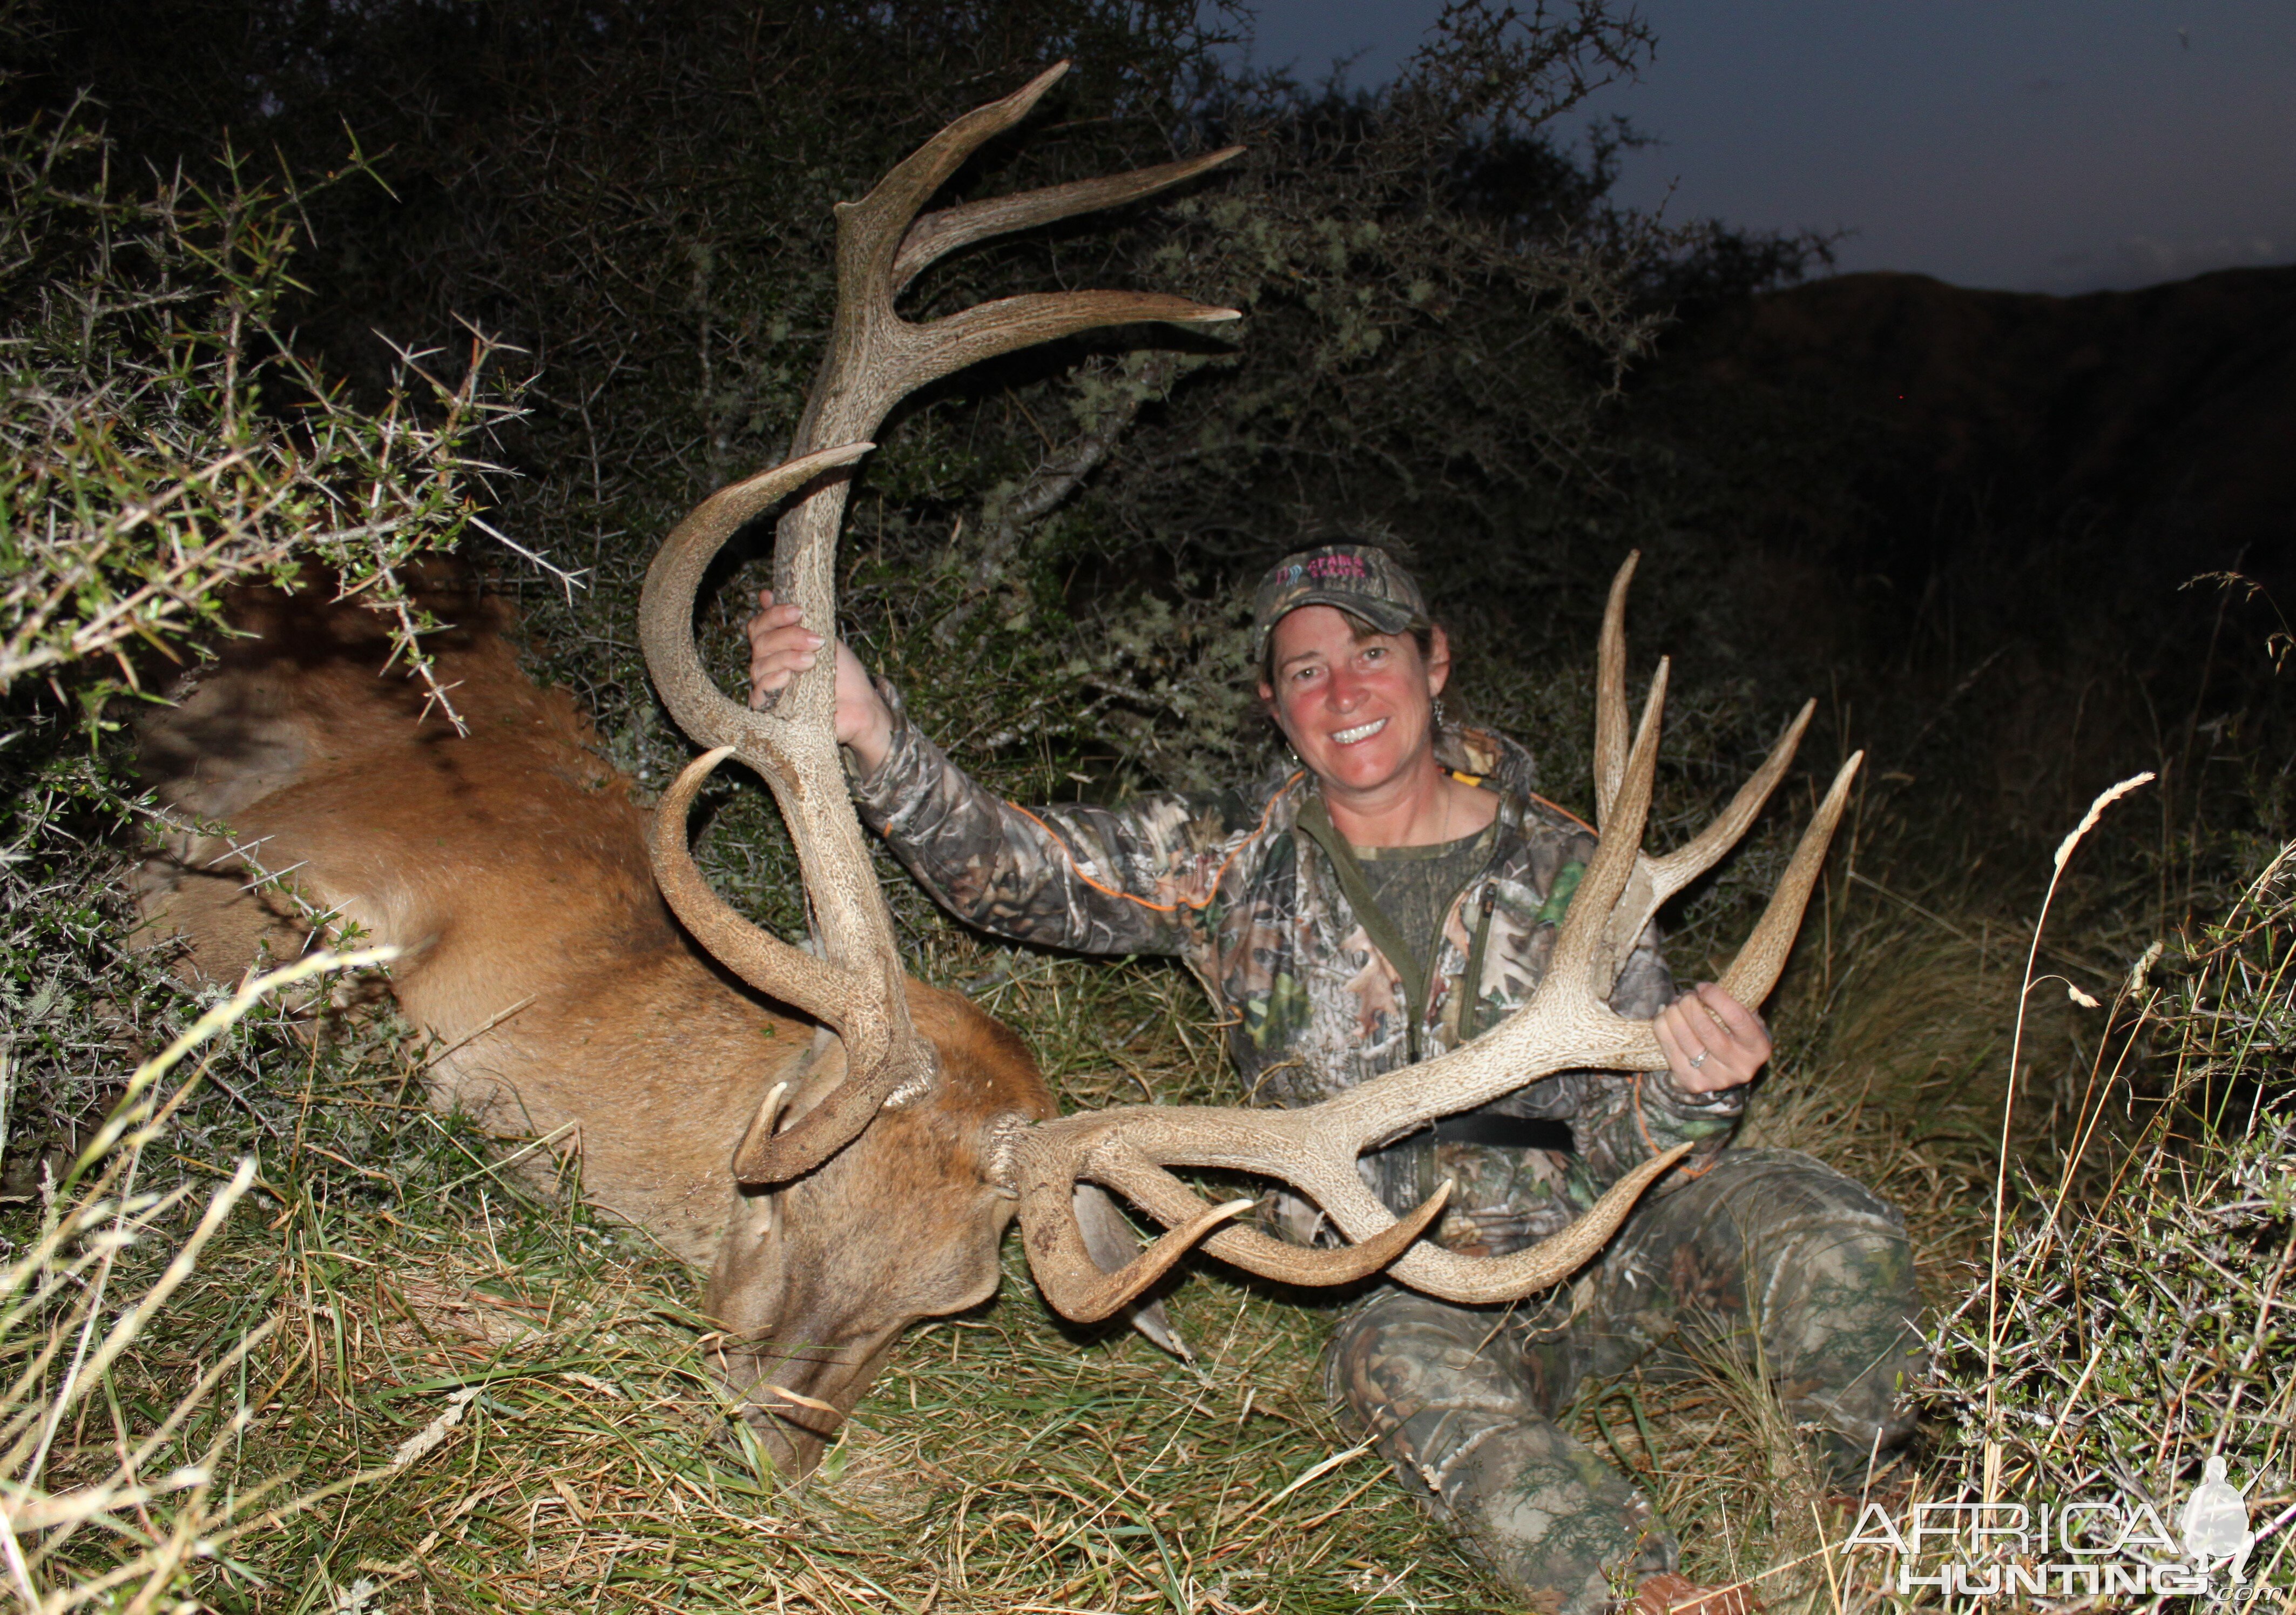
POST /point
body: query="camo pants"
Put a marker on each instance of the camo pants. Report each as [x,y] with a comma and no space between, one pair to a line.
[1770,1255]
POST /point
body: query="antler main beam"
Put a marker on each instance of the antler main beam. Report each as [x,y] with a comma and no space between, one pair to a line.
[875,358]
[1567,1024]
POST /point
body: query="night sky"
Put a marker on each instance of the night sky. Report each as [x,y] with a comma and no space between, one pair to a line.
[2049,146]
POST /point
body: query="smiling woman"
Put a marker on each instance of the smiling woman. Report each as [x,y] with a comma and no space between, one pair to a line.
[1353,672]
[1393,896]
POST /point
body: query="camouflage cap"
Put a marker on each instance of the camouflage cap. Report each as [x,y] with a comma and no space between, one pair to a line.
[1362,580]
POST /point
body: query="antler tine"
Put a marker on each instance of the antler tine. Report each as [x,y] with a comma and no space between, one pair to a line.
[1586,926]
[876,356]
[821,990]
[871,232]
[1090,1146]
[757,957]
[1079,1289]
[938,234]
[1701,853]
[1610,695]
[1051,1160]
[666,604]
[1485,1280]
[1164,1197]
[988,329]
[1428,1268]
[1755,970]
[1070,1290]
[1656,880]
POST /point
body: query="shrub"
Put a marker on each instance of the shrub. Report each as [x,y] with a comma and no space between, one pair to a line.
[160,437]
[2140,1330]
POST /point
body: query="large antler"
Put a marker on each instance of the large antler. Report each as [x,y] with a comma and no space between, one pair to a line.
[875,358]
[1566,1026]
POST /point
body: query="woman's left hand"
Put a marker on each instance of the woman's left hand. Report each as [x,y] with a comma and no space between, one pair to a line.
[1711,1041]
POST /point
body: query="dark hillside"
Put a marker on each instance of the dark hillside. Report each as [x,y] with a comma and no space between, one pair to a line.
[2161,421]
[1976,517]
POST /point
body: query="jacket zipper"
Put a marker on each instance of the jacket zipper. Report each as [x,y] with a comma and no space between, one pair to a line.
[1470,982]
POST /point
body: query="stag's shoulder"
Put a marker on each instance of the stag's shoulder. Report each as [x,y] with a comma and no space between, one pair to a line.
[306,682]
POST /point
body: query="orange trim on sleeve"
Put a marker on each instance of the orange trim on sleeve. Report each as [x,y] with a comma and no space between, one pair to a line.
[1566,812]
[1643,1127]
[1218,875]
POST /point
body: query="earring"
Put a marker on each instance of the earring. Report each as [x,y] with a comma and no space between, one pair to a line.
[1440,720]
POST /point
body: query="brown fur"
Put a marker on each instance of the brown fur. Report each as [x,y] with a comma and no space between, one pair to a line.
[509,865]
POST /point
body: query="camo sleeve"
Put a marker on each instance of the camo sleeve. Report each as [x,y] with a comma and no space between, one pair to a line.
[1625,1117]
[1098,880]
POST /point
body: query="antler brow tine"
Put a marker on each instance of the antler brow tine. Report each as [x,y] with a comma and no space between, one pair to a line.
[938,234]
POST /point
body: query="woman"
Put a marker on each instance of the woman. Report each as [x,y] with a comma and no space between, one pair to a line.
[1396,895]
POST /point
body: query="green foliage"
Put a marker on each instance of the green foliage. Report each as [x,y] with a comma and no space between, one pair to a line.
[1438,302]
[162,437]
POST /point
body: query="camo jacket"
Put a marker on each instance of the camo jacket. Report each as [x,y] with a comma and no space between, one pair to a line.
[1238,885]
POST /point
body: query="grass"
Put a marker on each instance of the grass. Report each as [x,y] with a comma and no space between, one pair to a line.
[409,1377]
[1004,1462]
[2131,1325]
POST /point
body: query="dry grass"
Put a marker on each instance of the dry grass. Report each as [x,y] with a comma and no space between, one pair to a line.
[578,1457]
[1002,1463]
[1005,1461]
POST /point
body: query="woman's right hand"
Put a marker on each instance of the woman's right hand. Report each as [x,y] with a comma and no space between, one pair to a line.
[781,647]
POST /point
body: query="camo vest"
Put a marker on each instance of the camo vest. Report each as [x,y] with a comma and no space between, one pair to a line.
[1242,885]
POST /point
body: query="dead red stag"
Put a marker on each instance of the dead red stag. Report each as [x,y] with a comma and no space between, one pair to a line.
[848,1163]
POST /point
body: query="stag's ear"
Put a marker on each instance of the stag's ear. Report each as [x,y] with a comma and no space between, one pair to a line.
[1113,1244]
[815,1076]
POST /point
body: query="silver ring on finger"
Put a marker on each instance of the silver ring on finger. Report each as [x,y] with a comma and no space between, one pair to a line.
[1698,1060]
